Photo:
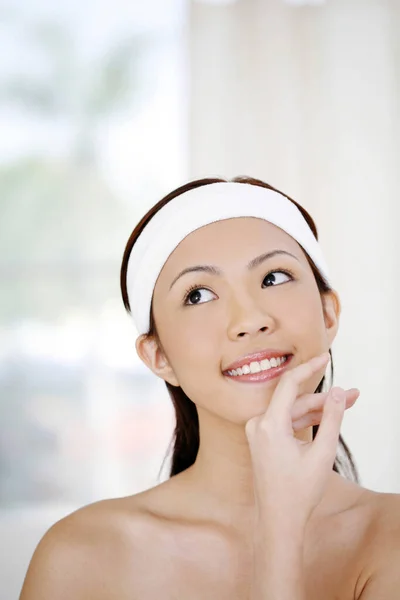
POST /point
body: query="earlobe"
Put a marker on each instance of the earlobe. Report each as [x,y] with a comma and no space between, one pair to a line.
[332,310]
[154,358]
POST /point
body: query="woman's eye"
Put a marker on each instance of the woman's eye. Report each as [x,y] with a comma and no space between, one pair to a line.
[275,278]
[195,295]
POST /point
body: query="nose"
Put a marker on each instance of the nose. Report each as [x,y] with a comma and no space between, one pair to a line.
[247,318]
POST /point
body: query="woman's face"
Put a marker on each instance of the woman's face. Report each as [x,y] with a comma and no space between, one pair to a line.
[235,313]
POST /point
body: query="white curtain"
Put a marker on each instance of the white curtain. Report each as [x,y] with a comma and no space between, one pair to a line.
[306,97]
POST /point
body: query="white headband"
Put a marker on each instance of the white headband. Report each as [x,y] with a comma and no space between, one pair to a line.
[194,209]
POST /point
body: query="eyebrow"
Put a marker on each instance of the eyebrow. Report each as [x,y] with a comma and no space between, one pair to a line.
[216,271]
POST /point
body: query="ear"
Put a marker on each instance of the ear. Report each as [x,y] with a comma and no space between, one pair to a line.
[154,358]
[332,309]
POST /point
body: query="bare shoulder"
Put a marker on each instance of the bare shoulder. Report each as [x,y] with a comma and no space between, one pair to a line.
[384,533]
[87,553]
[381,577]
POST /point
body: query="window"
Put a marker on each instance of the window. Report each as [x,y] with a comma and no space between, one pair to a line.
[93,132]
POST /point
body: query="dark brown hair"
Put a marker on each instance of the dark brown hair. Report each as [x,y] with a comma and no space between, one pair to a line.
[186,434]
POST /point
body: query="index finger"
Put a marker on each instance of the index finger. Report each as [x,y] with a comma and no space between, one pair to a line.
[287,390]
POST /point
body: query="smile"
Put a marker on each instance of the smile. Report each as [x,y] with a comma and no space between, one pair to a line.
[263,370]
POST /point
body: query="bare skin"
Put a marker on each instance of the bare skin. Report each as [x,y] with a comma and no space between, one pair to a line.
[191,537]
[161,544]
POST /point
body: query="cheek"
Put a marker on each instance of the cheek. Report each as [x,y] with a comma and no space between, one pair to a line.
[194,353]
[190,344]
[198,344]
[303,315]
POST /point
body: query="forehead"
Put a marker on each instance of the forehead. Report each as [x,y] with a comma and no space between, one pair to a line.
[229,242]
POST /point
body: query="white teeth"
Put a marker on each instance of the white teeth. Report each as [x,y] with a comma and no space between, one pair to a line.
[256,367]
[265,364]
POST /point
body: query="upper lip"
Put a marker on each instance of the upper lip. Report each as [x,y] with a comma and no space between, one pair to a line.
[256,356]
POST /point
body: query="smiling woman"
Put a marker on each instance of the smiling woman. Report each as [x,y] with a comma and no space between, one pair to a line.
[186,435]
[232,300]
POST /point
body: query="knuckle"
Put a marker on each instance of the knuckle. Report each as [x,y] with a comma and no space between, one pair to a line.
[311,403]
[250,427]
[267,427]
[315,419]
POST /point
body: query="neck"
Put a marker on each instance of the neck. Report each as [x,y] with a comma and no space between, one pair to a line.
[221,478]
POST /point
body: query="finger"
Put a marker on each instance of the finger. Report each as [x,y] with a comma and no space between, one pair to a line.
[314,417]
[314,403]
[308,403]
[324,446]
[287,389]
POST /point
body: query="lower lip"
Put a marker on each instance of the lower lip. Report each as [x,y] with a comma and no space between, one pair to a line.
[261,376]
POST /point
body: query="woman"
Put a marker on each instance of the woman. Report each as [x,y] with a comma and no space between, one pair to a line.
[231,296]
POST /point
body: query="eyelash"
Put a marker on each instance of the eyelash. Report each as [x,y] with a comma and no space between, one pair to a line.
[198,286]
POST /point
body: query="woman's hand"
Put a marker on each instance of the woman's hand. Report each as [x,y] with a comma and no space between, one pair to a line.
[308,409]
[290,475]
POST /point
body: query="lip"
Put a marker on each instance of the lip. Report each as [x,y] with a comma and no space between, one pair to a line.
[256,356]
[262,375]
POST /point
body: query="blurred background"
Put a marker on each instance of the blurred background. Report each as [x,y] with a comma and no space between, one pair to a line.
[104,108]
